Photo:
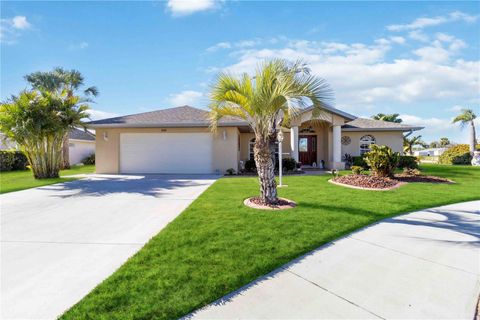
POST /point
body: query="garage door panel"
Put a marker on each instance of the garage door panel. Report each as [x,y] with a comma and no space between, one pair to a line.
[166,153]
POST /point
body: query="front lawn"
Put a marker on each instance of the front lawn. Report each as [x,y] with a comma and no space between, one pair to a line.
[20,180]
[218,245]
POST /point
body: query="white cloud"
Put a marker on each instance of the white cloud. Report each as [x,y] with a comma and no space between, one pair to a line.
[455,108]
[20,22]
[399,40]
[78,46]
[187,97]
[418,35]
[229,45]
[424,22]
[361,75]
[99,114]
[11,28]
[187,7]
[218,46]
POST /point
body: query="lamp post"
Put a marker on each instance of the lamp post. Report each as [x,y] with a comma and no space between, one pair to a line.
[280,166]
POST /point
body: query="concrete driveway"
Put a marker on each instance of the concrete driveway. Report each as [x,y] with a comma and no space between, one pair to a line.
[423,265]
[59,241]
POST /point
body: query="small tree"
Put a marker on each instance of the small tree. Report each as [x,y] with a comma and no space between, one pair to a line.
[444,141]
[409,143]
[38,121]
[382,160]
[387,117]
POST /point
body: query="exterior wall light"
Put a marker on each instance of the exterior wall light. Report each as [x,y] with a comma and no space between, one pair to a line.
[105,135]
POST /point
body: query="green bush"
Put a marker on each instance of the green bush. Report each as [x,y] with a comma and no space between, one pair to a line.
[409,162]
[289,164]
[250,166]
[230,172]
[459,154]
[11,160]
[357,169]
[382,160]
[359,161]
[89,160]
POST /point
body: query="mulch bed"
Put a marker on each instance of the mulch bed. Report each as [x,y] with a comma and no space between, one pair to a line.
[257,203]
[363,181]
[428,179]
[366,181]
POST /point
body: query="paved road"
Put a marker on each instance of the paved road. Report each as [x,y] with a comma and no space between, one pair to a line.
[58,242]
[423,265]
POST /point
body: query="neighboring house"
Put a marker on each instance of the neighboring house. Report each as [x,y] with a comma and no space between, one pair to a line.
[81,144]
[431,152]
[179,140]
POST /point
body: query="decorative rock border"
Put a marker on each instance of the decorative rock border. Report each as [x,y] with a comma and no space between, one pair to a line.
[398,185]
[291,204]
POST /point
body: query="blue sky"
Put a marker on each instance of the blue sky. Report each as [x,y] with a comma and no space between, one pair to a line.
[419,59]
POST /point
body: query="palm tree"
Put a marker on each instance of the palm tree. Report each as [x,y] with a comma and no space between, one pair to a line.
[38,121]
[60,81]
[467,117]
[387,117]
[408,144]
[278,92]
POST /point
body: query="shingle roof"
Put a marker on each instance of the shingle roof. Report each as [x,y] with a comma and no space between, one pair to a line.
[364,124]
[184,116]
[78,134]
[334,111]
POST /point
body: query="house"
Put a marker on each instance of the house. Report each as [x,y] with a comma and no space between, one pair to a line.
[179,140]
[81,144]
[430,152]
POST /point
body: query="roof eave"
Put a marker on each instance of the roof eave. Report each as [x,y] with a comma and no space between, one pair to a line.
[165,125]
[384,129]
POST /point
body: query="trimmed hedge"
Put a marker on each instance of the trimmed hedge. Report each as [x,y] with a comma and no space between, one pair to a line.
[358,161]
[459,154]
[289,164]
[11,160]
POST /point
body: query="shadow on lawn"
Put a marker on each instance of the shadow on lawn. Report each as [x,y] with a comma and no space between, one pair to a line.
[148,185]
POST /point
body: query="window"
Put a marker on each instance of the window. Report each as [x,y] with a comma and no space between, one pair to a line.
[251,145]
[365,143]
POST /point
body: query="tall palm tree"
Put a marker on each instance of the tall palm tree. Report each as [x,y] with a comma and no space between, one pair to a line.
[409,143]
[387,117]
[61,82]
[278,92]
[467,117]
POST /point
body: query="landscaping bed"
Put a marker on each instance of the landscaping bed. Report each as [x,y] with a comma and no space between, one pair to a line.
[420,178]
[366,181]
[257,203]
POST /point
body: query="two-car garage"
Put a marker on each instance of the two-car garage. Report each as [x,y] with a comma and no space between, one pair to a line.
[166,152]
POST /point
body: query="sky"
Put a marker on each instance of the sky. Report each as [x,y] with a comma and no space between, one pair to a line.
[418,59]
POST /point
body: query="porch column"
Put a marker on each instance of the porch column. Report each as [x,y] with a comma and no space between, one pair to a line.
[294,142]
[337,147]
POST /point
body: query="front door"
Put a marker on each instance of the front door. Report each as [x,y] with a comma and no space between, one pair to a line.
[307,149]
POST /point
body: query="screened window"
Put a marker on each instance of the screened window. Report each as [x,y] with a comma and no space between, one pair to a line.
[365,143]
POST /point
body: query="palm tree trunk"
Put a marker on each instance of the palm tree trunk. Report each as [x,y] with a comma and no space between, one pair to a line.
[473,138]
[266,171]
[65,163]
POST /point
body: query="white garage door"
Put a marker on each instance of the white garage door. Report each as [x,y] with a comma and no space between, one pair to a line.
[166,153]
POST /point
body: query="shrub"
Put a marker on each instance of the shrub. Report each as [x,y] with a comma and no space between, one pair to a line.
[459,154]
[230,171]
[409,162]
[412,172]
[348,159]
[12,160]
[289,164]
[360,162]
[382,160]
[89,160]
[357,169]
[250,166]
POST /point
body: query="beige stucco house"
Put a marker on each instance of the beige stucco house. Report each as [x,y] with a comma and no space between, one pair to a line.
[179,140]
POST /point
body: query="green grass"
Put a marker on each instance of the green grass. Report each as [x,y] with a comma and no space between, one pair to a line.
[20,180]
[217,245]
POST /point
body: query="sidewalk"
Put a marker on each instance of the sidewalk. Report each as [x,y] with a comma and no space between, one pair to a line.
[422,265]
